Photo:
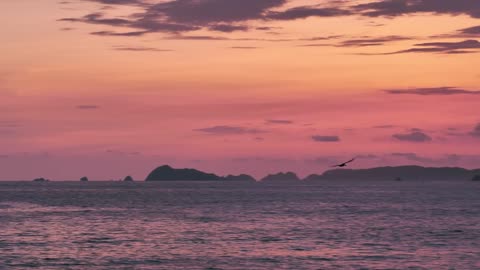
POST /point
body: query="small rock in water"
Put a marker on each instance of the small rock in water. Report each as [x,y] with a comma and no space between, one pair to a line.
[40,180]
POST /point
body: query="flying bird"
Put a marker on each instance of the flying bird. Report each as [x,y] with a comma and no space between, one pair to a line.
[344,164]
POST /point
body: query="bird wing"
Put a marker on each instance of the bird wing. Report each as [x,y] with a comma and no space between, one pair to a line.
[350,160]
[338,165]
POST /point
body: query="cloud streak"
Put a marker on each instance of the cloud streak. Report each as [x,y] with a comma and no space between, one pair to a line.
[435,91]
[470,32]
[207,12]
[412,157]
[460,47]
[118,2]
[244,47]
[279,121]
[476,131]
[384,126]
[229,130]
[304,12]
[448,159]
[119,34]
[394,8]
[88,107]
[146,24]
[179,16]
[139,49]
[417,137]
[377,41]
[323,138]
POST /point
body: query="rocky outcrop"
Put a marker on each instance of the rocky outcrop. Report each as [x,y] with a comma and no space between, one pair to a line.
[167,173]
[128,179]
[40,180]
[84,179]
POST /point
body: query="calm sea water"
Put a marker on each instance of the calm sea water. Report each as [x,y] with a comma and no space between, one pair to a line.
[347,225]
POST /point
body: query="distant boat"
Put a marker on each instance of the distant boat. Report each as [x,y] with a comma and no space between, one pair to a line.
[398,179]
[476,178]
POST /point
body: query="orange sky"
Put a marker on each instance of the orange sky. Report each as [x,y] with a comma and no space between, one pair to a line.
[106,88]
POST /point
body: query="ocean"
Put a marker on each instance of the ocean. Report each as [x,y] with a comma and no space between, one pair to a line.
[219,225]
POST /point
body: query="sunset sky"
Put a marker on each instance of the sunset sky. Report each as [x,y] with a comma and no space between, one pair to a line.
[109,88]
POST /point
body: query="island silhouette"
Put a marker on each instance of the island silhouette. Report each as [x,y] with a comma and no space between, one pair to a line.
[167,173]
[128,179]
[41,179]
[398,173]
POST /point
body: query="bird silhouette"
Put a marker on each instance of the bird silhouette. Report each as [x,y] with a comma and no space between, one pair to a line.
[343,164]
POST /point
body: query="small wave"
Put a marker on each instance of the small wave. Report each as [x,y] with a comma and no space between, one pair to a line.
[205,219]
[104,240]
[99,240]
[299,248]
[5,206]
[269,239]
[267,260]
[313,258]
[24,207]
[132,262]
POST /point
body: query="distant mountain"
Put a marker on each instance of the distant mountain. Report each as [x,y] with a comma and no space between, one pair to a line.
[167,173]
[288,177]
[393,173]
[241,177]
